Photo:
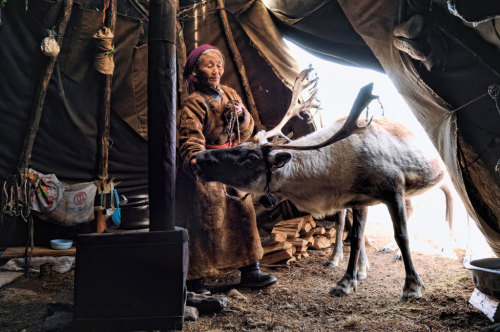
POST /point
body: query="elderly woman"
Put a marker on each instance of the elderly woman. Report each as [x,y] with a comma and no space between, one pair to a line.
[220,220]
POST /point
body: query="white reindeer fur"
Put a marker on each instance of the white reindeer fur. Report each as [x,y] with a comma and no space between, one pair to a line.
[320,181]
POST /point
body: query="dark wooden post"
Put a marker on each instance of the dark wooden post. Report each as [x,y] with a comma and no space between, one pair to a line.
[105,115]
[162,113]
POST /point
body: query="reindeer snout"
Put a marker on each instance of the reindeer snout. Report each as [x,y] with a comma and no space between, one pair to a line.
[206,158]
[204,166]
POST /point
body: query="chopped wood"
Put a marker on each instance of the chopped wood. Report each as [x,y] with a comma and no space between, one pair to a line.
[299,242]
[306,229]
[273,239]
[290,233]
[331,233]
[301,248]
[277,256]
[319,230]
[321,242]
[309,237]
[312,222]
[297,223]
[297,255]
[305,254]
[293,259]
[277,246]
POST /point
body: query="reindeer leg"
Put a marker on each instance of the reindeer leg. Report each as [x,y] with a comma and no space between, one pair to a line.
[343,287]
[393,246]
[396,206]
[363,264]
[338,253]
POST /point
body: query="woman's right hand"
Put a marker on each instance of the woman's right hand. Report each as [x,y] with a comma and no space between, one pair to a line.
[192,164]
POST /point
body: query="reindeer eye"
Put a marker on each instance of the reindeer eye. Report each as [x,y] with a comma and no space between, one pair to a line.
[253,157]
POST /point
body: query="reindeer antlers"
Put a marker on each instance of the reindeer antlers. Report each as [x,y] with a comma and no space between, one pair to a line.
[302,83]
[349,127]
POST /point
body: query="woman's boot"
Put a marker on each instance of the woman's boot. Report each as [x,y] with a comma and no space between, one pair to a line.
[197,286]
[252,277]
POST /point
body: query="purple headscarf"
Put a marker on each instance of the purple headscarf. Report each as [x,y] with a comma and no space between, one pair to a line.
[191,63]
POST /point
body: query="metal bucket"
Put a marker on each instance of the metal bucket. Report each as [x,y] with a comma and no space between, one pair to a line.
[486,275]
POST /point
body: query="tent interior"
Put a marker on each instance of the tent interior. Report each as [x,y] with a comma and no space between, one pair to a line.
[444,60]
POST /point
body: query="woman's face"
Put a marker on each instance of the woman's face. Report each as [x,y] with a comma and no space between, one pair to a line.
[210,69]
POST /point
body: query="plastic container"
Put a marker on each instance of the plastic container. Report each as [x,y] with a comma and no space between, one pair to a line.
[61,244]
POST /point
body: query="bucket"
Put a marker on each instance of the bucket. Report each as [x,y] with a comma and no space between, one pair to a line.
[486,275]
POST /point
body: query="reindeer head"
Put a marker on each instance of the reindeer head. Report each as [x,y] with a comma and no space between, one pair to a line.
[249,166]
[246,166]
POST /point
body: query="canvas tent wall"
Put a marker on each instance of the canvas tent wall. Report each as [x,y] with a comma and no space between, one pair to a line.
[467,135]
[467,139]
[66,143]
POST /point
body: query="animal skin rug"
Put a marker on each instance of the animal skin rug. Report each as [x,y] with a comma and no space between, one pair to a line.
[59,264]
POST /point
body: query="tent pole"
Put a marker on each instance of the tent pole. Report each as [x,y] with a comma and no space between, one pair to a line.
[106,107]
[162,113]
[34,124]
[181,60]
[41,93]
[239,64]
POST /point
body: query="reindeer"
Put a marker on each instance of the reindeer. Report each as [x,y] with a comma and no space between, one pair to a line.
[356,167]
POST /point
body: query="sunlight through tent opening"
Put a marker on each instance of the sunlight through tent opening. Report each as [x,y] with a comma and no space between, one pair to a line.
[338,86]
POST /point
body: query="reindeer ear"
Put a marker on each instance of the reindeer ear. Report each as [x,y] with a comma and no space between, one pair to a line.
[279,159]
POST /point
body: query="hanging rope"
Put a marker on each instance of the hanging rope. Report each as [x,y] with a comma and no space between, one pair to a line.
[232,120]
[493,91]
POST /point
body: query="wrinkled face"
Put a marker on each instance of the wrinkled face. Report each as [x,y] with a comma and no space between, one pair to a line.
[210,69]
[242,167]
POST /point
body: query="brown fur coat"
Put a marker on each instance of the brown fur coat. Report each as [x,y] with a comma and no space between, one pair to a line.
[223,232]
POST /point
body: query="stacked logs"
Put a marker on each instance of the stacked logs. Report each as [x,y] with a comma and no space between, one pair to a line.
[290,239]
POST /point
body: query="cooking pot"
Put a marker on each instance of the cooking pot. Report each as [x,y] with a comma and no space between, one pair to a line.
[134,211]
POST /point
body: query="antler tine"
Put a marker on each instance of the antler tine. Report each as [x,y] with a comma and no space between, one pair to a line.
[350,125]
[302,83]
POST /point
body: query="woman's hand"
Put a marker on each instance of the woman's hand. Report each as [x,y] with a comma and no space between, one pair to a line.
[238,109]
[194,167]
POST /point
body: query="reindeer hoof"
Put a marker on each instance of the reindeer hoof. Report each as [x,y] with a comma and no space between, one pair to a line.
[411,295]
[338,292]
[361,276]
[330,264]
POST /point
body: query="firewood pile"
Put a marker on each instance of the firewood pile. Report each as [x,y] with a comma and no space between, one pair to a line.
[290,239]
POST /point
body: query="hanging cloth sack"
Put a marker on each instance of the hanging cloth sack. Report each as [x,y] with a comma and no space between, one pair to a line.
[104,62]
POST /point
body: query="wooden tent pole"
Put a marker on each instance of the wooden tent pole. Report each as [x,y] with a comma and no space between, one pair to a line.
[106,107]
[181,60]
[162,107]
[239,64]
[34,125]
[42,92]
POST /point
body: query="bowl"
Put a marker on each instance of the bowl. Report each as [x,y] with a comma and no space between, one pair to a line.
[486,275]
[60,244]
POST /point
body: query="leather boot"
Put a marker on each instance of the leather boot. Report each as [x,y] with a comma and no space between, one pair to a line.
[252,277]
[197,286]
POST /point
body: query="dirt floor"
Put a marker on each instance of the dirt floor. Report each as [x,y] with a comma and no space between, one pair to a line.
[300,301]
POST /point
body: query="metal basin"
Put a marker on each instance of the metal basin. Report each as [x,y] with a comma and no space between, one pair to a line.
[486,275]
